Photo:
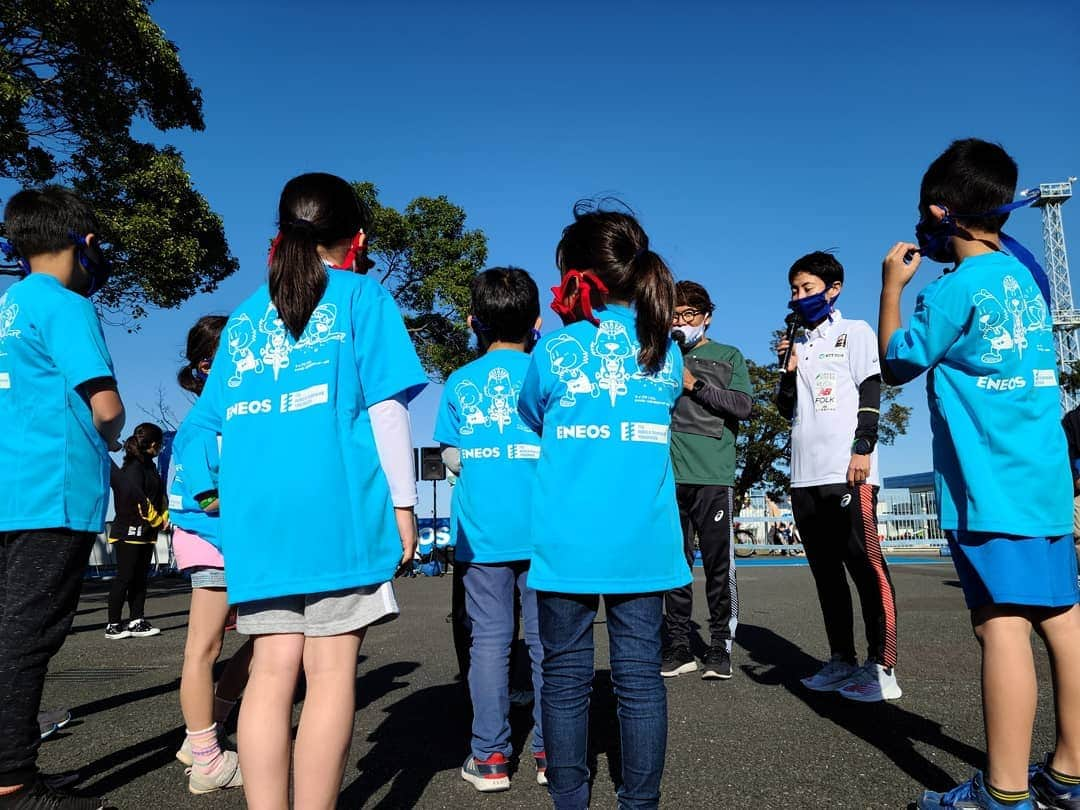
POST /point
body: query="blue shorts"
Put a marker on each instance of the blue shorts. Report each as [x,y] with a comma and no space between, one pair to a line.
[1008,570]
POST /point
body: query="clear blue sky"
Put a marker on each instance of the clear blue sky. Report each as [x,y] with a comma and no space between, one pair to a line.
[744,135]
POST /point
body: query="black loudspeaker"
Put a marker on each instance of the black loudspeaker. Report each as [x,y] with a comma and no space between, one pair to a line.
[431,464]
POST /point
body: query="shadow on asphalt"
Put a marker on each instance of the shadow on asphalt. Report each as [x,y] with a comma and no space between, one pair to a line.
[890,729]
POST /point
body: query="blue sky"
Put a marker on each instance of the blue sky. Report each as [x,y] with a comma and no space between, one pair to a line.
[744,135]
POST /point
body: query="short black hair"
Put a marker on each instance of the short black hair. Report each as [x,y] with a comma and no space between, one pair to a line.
[821,264]
[505,304]
[43,220]
[970,177]
[692,294]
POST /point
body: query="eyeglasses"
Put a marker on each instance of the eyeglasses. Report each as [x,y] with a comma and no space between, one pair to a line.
[688,315]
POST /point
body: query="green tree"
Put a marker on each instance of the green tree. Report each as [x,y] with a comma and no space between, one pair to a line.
[764,444]
[426,258]
[74,75]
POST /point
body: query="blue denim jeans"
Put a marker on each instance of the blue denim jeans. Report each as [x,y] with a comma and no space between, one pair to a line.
[566,630]
[489,601]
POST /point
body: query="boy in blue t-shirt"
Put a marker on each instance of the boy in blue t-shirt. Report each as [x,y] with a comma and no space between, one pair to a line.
[983,333]
[60,413]
[494,454]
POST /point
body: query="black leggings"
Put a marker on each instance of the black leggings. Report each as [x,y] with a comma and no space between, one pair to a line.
[838,525]
[132,569]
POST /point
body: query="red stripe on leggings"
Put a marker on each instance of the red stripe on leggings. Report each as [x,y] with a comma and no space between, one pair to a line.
[877,562]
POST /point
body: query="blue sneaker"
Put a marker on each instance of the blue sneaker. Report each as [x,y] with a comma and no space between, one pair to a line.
[1050,794]
[971,795]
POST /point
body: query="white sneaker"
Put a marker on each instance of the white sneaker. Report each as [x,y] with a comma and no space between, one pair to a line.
[832,676]
[227,777]
[872,684]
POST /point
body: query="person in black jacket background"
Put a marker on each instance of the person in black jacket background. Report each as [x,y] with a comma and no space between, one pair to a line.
[141,510]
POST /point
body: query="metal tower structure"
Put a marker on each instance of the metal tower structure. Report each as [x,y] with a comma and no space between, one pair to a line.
[1066,319]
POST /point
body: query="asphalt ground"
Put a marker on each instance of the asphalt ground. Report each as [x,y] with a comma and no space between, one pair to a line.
[759,740]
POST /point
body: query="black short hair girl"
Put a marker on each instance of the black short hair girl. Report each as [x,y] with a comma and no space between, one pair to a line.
[614,246]
[970,177]
[692,294]
[315,210]
[202,344]
[137,446]
[505,304]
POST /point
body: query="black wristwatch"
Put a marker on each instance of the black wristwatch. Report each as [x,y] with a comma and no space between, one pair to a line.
[699,386]
[862,447]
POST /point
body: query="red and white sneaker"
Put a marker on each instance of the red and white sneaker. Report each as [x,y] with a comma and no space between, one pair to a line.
[487,775]
[540,758]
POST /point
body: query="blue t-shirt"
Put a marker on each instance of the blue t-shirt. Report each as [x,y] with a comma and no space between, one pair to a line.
[195,464]
[479,415]
[1000,461]
[305,505]
[604,516]
[54,465]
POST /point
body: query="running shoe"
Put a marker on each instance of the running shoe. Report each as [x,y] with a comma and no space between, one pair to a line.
[677,661]
[872,683]
[717,664]
[971,795]
[141,628]
[487,775]
[1050,794]
[836,672]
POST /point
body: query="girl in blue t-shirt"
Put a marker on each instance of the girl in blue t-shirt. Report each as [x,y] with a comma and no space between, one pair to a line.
[604,518]
[193,510]
[309,391]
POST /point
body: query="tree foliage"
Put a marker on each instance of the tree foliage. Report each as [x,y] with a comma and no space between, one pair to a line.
[763,449]
[426,258]
[74,77]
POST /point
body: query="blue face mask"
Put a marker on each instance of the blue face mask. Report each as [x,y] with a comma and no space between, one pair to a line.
[814,308]
[933,237]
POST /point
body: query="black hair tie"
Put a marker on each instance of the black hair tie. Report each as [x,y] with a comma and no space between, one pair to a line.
[304,226]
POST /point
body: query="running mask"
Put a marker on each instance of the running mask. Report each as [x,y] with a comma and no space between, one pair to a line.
[933,238]
[93,262]
[813,308]
[573,297]
[688,336]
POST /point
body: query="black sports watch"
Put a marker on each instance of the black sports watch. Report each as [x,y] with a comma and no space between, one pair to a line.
[699,386]
[862,447]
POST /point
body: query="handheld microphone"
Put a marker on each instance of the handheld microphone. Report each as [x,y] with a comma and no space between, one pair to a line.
[792,321]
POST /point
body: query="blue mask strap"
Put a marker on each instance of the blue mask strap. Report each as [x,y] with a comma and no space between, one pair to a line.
[13,264]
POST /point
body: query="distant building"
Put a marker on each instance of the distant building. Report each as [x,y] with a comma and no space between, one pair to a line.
[912,495]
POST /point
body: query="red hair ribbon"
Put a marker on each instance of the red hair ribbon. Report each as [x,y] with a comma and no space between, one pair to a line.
[573,297]
[273,247]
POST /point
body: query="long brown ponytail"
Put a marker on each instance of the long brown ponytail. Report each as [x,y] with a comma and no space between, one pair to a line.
[614,246]
[315,209]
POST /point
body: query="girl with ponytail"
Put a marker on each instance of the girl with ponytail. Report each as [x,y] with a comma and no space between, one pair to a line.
[141,512]
[604,518]
[309,391]
[195,509]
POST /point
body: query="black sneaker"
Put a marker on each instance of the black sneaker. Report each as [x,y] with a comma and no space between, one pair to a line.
[41,796]
[116,632]
[141,628]
[717,664]
[677,661]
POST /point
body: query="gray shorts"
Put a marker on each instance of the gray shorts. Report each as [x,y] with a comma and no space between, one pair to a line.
[205,576]
[319,614]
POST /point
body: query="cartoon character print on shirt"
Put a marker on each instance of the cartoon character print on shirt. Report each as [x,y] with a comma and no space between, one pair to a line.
[502,398]
[664,378]
[8,314]
[241,336]
[469,399]
[275,352]
[613,347]
[1007,326]
[319,329]
[568,357]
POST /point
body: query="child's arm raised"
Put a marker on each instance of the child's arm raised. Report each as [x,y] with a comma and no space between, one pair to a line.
[933,330]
